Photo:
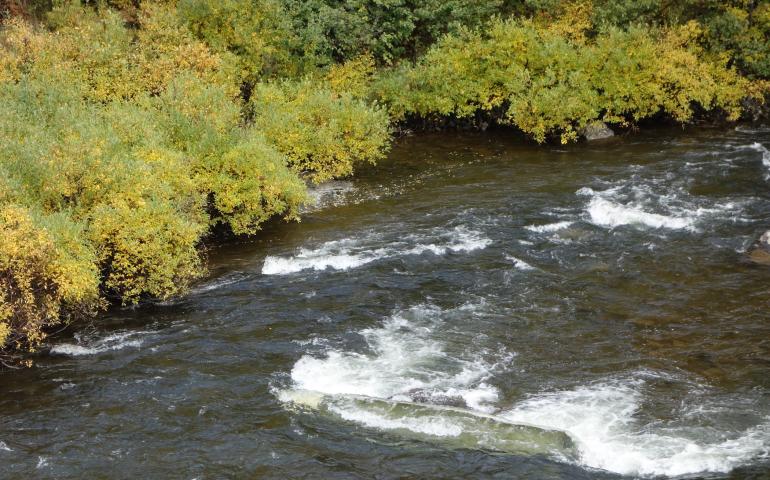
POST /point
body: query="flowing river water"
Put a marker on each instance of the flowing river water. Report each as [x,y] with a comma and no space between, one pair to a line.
[598,294]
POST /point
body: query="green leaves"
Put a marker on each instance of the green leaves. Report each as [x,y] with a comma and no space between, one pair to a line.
[127,133]
[323,133]
[545,82]
[120,149]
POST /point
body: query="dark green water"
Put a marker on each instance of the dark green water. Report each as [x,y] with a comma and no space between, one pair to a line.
[599,290]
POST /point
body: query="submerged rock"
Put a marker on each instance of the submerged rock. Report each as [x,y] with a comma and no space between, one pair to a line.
[449,426]
[327,194]
[759,252]
[596,131]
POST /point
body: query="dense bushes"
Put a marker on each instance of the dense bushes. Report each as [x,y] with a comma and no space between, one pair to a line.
[738,28]
[391,30]
[93,53]
[293,37]
[321,132]
[67,158]
[45,268]
[544,81]
[129,129]
[121,147]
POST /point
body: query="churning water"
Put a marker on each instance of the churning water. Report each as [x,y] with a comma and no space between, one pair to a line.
[474,307]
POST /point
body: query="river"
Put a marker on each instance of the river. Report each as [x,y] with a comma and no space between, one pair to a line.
[599,291]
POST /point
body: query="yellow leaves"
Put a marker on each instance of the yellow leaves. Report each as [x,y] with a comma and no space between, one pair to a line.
[92,50]
[5,330]
[147,250]
[323,133]
[682,35]
[686,75]
[43,266]
[572,21]
[250,183]
[352,77]
[125,146]
[546,78]
[165,49]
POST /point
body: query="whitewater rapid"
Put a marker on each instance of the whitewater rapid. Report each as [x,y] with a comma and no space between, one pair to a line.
[93,346]
[413,355]
[601,418]
[407,359]
[351,253]
[610,305]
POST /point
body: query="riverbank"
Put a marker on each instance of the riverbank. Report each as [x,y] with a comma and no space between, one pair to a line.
[130,134]
[609,302]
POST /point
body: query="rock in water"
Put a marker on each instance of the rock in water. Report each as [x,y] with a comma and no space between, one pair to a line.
[759,252]
[596,131]
[449,426]
[327,194]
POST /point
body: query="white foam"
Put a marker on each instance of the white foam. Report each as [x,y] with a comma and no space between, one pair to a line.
[351,253]
[607,213]
[315,341]
[116,341]
[319,259]
[404,357]
[600,418]
[519,264]
[549,227]
[406,354]
[461,239]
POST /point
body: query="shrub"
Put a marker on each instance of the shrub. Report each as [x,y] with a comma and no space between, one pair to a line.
[136,181]
[146,248]
[736,28]
[323,133]
[46,271]
[166,49]
[545,81]
[91,51]
[250,184]
[245,179]
[639,76]
[257,33]
[353,77]
[343,29]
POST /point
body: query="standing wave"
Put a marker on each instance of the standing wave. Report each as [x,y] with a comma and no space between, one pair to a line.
[601,420]
[351,253]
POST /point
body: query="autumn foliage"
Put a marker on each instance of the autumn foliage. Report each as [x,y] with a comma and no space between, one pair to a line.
[130,130]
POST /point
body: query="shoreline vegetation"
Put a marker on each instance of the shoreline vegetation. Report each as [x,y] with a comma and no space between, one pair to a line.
[133,132]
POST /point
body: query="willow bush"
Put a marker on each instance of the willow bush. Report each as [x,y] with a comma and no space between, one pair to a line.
[738,28]
[45,266]
[323,133]
[256,33]
[92,52]
[121,147]
[547,82]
